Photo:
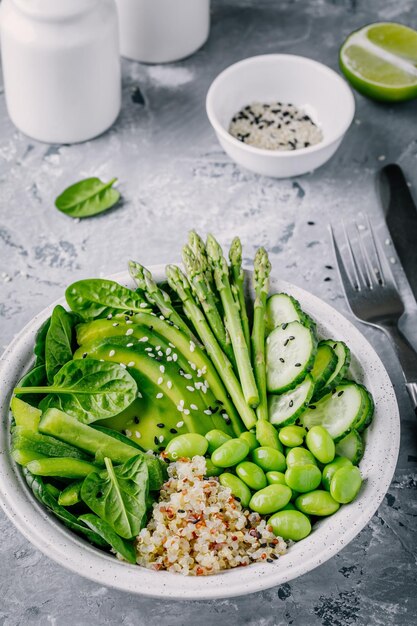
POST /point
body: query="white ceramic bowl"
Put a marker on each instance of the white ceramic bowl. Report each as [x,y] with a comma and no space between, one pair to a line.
[329,536]
[310,85]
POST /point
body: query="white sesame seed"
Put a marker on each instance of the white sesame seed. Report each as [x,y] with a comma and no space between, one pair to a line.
[115,324]
[157,347]
[186,411]
[161,317]
[169,358]
[187,376]
[159,396]
[162,368]
[194,407]
[225,416]
[180,408]
[168,351]
[129,345]
[140,395]
[112,352]
[131,364]
[151,354]
[198,385]
[192,346]
[123,365]
[129,322]
[179,424]
[160,438]
[130,332]
[190,388]
[204,389]
[138,435]
[160,353]
[171,344]
[207,412]
[143,305]
[109,316]
[182,402]
[169,384]
[160,380]
[192,365]
[148,349]
[174,356]
[128,433]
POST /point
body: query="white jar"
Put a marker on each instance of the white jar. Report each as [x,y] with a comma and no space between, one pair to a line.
[161,31]
[61,67]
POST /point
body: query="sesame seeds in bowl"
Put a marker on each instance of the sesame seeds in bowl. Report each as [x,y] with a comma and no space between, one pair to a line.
[297,82]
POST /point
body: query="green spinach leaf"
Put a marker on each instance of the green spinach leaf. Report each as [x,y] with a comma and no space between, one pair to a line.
[119,495]
[122,546]
[58,341]
[45,497]
[88,390]
[88,197]
[97,297]
[35,377]
[40,339]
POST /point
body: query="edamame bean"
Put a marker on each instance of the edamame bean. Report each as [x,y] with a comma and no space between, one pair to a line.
[275,478]
[318,502]
[269,459]
[290,524]
[300,456]
[330,470]
[252,475]
[267,435]
[345,484]
[303,478]
[212,470]
[292,436]
[237,487]
[270,499]
[216,438]
[187,446]
[230,453]
[320,444]
[250,439]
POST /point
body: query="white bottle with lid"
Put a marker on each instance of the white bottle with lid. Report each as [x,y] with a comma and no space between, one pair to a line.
[61,67]
[162,31]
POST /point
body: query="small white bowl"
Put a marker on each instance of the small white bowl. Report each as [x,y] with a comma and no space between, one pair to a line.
[310,85]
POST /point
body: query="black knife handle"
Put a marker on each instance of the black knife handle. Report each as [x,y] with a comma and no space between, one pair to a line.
[408,360]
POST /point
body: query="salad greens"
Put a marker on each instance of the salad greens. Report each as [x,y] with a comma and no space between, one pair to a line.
[87,197]
[124,372]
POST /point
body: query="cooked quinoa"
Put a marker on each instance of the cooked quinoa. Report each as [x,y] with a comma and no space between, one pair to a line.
[275,126]
[198,528]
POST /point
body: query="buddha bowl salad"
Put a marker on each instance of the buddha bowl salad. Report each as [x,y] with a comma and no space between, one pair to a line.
[183,426]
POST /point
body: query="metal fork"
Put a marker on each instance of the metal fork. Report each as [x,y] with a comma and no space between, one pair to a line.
[373,297]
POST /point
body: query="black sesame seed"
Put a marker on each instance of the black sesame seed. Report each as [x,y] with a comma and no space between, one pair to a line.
[311,223]
[284,326]
[340,393]
[237,498]
[156,440]
[297,365]
[286,342]
[99,494]
[335,346]
[173,431]
[214,410]
[327,279]
[274,556]
[263,544]
[328,267]
[161,448]
[312,406]
[109,316]
[281,359]
[160,425]
[291,338]
[180,511]
[270,560]
[84,355]
[127,318]
[136,419]
[291,403]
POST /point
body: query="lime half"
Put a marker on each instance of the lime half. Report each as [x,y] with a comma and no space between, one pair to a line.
[380,61]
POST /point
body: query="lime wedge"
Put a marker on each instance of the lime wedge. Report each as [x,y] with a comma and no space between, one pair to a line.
[380,61]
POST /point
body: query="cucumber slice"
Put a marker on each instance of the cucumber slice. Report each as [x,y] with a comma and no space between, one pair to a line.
[324,366]
[282,309]
[368,411]
[25,415]
[290,352]
[342,367]
[287,407]
[338,411]
[351,446]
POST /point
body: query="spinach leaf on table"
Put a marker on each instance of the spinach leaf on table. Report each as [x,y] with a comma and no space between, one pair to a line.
[88,197]
[102,528]
[119,495]
[97,297]
[87,389]
[58,341]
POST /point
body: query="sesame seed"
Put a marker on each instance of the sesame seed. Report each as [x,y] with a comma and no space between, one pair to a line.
[190,388]
[207,412]
[286,342]
[169,358]
[194,407]
[180,408]
[174,356]
[168,351]
[129,322]
[123,365]
[171,344]
[188,376]
[157,347]
[115,324]
[128,433]
[160,353]
[186,411]
[109,316]
[160,380]
[341,393]
[140,395]
[297,365]
[130,332]
[159,395]
[169,384]
[312,406]
[161,369]
[151,354]
[160,425]
[138,434]
[161,317]
[143,305]
[173,431]
[284,326]
[192,346]
[131,364]
[156,440]
[182,402]
[129,345]
[291,403]
[192,365]
[148,349]
[112,352]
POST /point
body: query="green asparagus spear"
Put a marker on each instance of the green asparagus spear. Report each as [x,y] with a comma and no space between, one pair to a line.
[204,294]
[157,296]
[233,322]
[238,278]
[180,284]
[262,269]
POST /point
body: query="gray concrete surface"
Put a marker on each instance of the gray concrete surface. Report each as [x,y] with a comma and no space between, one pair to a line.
[174,176]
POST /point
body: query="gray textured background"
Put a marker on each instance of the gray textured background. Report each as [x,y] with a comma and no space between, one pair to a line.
[174,176]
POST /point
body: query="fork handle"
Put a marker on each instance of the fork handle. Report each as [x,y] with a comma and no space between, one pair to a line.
[408,360]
